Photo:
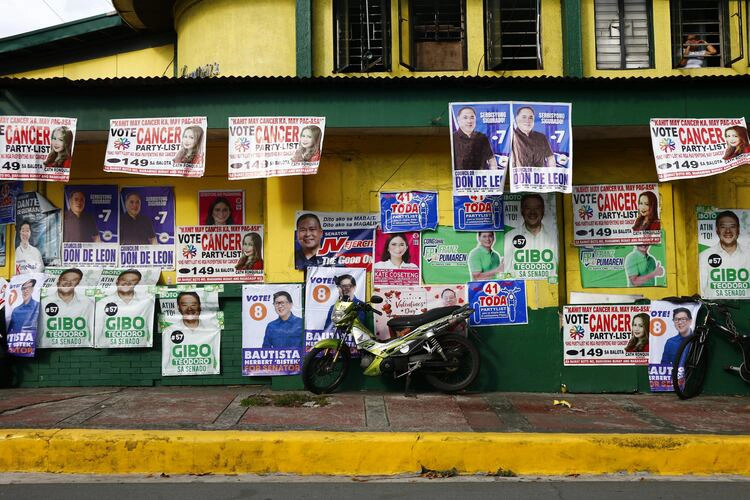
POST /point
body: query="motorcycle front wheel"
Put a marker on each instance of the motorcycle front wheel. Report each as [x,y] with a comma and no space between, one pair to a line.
[324,369]
[463,359]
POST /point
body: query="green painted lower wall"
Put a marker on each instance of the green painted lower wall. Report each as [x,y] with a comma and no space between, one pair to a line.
[526,358]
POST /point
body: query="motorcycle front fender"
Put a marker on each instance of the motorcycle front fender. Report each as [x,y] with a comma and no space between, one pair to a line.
[328,344]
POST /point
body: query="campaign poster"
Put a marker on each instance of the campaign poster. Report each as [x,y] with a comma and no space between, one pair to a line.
[124,314]
[90,226]
[273,334]
[449,256]
[323,287]
[606,335]
[670,325]
[38,232]
[724,253]
[396,259]
[531,248]
[623,266]
[498,303]
[68,307]
[8,192]
[220,254]
[270,146]
[413,300]
[221,208]
[541,157]
[323,239]
[36,148]
[402,211]
[190,330]
[3,289]
[692,147]
[147,227]
[174,146]
[480,146]
[616,214]
[22,313]
[478,213]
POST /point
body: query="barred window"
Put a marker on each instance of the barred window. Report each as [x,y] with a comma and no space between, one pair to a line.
[623,34]
[702,34]
[512,34]
[362,35]
[432,35]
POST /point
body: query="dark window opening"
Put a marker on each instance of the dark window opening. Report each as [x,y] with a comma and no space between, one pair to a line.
[432,35]
[362,35]
[512,34]
[623,34]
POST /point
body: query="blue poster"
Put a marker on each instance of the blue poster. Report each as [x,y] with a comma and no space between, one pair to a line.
[3,234]
[480,146]
[147,227]
[498,303]
[90,225]
[407,211]
[478,213]
[8,192]
[541,157]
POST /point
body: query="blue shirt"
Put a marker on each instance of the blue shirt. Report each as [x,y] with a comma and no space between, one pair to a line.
[284,334]
[301,262]
[329,322]
[671,347]
[24,317]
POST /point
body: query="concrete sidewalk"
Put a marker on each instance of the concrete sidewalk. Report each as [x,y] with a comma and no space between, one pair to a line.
[205,430]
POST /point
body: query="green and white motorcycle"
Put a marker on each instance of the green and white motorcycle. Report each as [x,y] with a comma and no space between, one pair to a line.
[427,343]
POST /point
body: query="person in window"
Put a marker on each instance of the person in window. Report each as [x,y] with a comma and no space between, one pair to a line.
[220,213]
[191,149]
[648,213]
[737,142]
[61,148]
[471,149]
[309,144]
[695,51]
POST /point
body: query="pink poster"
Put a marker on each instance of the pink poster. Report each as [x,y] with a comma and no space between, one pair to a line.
[396,259]
[221,208]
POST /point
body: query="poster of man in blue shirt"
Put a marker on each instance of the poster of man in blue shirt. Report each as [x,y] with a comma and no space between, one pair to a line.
[24,317]
[286,330]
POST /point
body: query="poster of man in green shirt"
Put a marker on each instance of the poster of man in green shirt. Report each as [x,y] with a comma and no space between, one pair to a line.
[642,268]
[484,262]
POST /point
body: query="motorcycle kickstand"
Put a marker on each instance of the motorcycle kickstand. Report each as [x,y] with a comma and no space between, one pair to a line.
[406,388]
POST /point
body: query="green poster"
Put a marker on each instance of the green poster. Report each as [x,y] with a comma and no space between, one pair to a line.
[447,256]
[624,266]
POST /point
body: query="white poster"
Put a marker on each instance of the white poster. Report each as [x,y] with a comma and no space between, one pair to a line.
[323,287]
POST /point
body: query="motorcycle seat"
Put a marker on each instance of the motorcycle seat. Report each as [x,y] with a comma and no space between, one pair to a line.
[400,322]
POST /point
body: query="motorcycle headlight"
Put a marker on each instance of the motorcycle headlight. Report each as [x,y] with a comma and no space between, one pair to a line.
[337,316]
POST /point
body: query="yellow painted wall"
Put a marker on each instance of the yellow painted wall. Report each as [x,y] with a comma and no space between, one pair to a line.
[355,168]
[153,61]
[251,37]
[662,42]
[552,60]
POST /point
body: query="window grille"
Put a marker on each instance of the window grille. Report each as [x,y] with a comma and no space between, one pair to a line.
[512,34]
[432,35]
[362,35]
[623,34]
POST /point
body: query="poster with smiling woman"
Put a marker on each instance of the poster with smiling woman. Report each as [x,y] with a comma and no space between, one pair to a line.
[396,261]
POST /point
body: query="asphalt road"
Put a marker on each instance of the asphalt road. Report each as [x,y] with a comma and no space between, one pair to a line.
[281,487]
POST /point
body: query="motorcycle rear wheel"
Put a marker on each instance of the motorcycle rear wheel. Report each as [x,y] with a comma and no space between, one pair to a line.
[466,356]
[323,371]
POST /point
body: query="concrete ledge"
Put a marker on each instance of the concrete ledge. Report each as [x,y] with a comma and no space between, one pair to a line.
[366,453]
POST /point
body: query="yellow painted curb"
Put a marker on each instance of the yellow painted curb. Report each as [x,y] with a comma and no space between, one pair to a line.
[366,453]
